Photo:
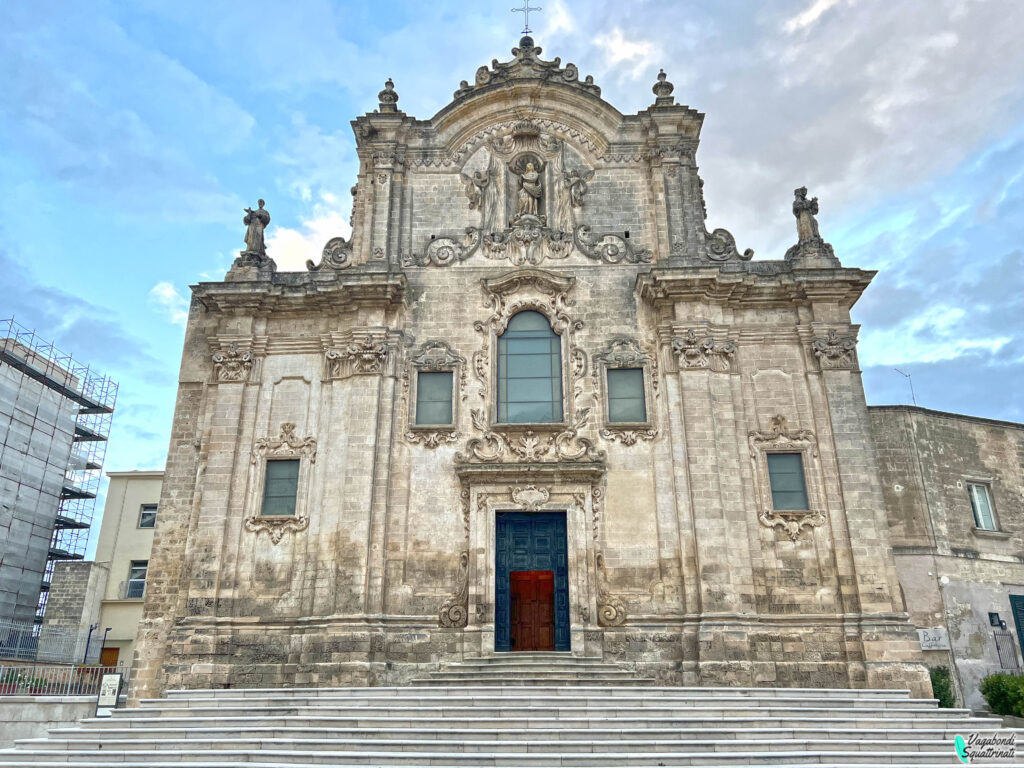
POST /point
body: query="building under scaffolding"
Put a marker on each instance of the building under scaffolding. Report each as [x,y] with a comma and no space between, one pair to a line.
[54,420]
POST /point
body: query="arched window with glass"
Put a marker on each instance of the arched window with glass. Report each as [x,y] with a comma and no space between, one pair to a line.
[529,371]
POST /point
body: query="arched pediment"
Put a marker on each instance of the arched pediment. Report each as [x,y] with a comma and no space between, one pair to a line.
[529,89]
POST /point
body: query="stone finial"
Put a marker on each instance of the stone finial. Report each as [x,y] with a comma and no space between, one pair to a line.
[388,98]
[810,251]
[663,90]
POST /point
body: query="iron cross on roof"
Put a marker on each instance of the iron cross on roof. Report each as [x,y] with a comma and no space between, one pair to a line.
[525,10]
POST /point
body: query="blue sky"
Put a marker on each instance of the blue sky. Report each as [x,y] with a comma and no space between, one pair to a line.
[134,134]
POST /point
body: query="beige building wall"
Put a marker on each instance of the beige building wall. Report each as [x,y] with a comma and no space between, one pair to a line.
[121,542]
[953,572]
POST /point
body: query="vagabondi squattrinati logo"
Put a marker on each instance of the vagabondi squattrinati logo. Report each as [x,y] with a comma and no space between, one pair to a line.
[986,747]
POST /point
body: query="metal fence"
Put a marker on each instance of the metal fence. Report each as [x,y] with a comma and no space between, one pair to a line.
[62,645]
[1006,649]
[39,680]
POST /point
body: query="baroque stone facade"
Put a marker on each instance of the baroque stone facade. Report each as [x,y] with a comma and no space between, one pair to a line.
[527,193]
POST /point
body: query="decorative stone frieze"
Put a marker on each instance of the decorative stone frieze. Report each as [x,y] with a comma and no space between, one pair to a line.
[233,363]
[780,438]
[286,445]
[835,352]
[509,442]
[693,351]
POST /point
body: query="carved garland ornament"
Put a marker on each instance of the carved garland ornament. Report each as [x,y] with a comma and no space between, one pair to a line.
[692,352]
[835,352]
[287,445]
[779,437]
[233,363]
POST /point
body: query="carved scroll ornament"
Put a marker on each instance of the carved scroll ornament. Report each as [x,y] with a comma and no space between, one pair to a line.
[693,351]
[455,609]
[835,352]
[233,363]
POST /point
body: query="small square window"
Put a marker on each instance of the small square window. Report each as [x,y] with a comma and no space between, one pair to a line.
[786,475]
[433,398]
[626,396]
[147,516]
[981,505]
[280,487]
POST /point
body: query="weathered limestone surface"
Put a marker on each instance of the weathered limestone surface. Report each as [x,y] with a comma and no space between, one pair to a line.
[954,574]
[677,561]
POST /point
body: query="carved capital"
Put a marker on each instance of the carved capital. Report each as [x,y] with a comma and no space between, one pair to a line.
[834,351]
[693,351]
[365,355]
[233,363]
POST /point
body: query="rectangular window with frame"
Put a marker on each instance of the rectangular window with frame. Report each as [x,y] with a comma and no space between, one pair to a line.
[280,487]
[136,586]
[434,398]
[147,516]
[981,505]
[626,404]
[786,476]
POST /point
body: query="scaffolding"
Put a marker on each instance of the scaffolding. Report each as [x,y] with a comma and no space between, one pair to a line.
[90,397]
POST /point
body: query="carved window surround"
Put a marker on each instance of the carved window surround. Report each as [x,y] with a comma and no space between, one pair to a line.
[286,445]
[624,352]
[359,352]
[434,356]
[779,438]
[506,296]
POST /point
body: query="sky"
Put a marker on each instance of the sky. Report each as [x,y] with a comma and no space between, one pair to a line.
[133,135]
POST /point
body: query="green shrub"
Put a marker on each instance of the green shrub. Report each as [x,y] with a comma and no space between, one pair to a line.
[942,686]
[1004,693]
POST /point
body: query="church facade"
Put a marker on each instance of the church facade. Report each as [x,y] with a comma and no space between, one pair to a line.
[532,403]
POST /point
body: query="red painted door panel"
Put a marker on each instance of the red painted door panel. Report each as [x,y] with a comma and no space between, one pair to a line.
[533,610]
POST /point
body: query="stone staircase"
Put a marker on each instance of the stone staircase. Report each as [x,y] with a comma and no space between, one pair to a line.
[526,709]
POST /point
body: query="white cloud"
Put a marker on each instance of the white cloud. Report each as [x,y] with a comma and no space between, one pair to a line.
[170,302]
[809,15]
[620,50]
[290,248]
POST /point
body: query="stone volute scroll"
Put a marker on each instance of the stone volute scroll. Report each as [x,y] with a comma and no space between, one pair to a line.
[779,437]
[287,444]
[454,611]
[811,251]
[337,254]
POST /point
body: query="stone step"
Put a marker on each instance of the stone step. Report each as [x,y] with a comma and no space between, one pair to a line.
[292,758]
[459,746]
[505,681]
[498,697]
[617,689]
[606,709]
[70,736]
[812,720]
[151,763]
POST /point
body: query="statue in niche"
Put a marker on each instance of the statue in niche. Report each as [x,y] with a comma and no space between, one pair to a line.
[255,222]
[531,187]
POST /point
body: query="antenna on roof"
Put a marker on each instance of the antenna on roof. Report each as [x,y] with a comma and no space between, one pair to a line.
[910,381]
[525,10]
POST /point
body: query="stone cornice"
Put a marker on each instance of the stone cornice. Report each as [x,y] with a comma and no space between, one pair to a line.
[709,284]
[523,472]
[303,293]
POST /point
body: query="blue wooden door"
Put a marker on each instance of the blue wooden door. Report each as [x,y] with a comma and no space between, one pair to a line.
[530,542]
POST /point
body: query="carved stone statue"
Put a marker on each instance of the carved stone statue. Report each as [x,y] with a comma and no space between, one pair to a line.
[805,210]
[255,222]
[530,190]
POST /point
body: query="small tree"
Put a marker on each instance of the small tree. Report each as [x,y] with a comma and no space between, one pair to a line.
[942,686]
